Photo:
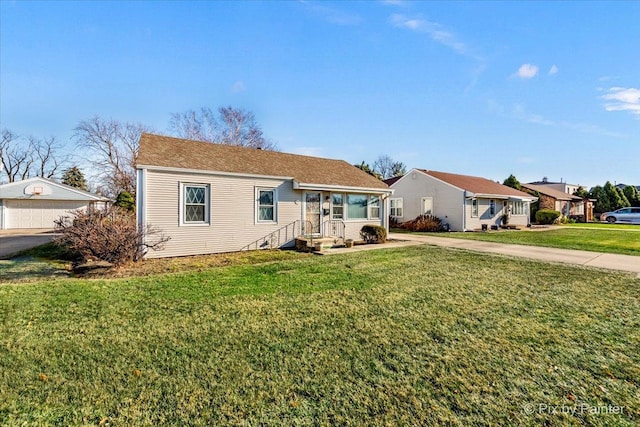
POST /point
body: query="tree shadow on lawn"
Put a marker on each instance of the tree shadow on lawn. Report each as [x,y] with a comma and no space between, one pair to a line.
[27,269]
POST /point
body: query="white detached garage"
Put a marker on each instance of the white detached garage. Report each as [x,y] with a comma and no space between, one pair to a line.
[38,202]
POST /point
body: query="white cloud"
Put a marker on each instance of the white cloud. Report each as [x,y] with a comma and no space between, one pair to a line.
[238,87]
[435,31]
[332,15]
[623,99]
[402,3]
[527,71]
[553,70]
[521,113]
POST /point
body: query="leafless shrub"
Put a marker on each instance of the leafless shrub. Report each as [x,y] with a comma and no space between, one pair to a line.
[424,223]
[108,234]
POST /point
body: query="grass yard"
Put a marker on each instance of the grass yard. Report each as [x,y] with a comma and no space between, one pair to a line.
[617,241]
[412,336]
[604,225]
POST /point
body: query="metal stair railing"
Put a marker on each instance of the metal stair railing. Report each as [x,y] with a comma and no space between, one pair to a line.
[279,237]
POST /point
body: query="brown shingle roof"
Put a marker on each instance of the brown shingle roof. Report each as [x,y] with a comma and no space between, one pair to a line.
[476,184]
[551,192]
[158,150]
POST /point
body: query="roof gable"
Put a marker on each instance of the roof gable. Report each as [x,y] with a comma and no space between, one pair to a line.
[44,189]
[169,152]
[475,184]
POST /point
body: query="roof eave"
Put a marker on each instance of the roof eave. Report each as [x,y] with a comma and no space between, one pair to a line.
[331,187]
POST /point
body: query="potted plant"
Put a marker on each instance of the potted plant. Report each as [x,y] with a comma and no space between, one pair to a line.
[505,219]
[348,243]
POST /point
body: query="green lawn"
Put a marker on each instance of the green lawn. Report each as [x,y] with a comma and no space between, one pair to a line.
[618,241]
[604,225]
[411,336]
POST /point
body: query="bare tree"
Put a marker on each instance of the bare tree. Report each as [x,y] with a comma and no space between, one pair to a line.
[388,168]
[45,159]
[232,126]
[22,158]
[113,151]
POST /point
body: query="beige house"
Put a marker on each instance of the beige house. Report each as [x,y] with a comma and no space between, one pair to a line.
[211,198]
[463,202]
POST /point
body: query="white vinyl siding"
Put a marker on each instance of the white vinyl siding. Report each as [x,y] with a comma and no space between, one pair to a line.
[395,207]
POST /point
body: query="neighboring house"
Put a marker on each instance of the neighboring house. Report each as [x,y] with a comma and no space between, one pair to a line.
[38,202]
[569,205]
[211,198]
[464,202]
[558,186]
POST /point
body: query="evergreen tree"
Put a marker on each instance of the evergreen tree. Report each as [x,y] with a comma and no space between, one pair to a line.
[73,177]
[365,167]
[581,192]
[613,195]
[512,182]
[125,200]
[632,194]
[602,201]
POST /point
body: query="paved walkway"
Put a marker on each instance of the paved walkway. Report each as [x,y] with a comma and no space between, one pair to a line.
[627,263]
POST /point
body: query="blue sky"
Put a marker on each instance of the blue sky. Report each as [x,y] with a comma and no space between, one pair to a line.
[480,88]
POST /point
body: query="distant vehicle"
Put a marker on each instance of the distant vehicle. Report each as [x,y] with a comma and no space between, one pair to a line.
[624,215]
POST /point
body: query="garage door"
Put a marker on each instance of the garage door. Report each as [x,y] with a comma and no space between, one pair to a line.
[38,213]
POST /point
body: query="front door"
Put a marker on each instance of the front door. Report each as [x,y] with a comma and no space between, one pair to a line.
[313,213]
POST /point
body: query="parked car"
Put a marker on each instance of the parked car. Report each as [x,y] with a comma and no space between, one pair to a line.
[624,215]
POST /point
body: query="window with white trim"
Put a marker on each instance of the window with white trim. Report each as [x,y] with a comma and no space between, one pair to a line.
[357,206]
[374,207]
[195,204]
[492,207]
[517,207]
[474,208]
[337,206]
[266,204]
[427,205]
[395,207]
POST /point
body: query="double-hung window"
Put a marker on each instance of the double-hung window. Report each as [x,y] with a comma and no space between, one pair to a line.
[337,206]
[492,207]
[395,207]
[266,204]
[374,207]
[195,204]
[474,207]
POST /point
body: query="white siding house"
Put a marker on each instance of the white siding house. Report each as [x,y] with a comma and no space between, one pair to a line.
[463,202]
[212,198]
[38,202]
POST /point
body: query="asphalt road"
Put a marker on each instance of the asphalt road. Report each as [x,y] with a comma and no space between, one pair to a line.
[15,243]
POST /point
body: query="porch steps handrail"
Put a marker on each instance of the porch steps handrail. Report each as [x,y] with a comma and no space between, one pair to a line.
[279,237]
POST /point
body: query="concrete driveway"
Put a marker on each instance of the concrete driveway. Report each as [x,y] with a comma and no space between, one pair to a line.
[12,241]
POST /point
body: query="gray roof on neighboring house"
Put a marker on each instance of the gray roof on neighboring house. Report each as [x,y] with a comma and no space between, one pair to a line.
[556,194]
[169,152]
[53,191]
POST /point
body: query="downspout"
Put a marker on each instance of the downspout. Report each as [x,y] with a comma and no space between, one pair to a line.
[464,211]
